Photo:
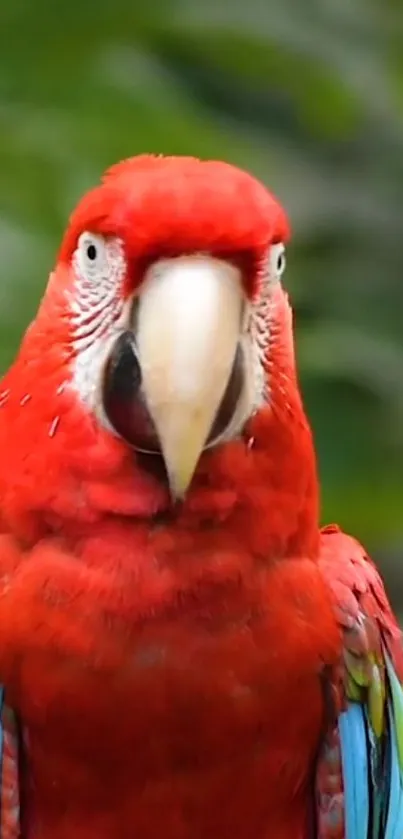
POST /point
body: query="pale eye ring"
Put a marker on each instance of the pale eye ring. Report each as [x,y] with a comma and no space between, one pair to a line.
[280,265]
[92,255]
[277,261]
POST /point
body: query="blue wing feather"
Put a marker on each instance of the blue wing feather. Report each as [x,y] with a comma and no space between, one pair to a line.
[361,778]
[394,816]
[355,768]
[372,767]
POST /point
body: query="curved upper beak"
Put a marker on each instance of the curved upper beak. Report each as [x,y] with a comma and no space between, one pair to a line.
[187,331]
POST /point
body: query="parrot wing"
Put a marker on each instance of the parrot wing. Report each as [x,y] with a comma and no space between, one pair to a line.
[359,779]
[10,827]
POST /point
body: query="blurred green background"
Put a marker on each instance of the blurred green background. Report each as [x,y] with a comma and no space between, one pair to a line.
[308,95]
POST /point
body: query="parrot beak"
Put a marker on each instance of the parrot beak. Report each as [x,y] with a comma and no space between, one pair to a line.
[188,324]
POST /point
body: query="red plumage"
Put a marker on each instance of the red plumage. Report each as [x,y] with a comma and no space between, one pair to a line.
[168,667]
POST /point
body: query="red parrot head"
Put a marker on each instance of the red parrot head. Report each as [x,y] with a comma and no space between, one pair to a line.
[160,366]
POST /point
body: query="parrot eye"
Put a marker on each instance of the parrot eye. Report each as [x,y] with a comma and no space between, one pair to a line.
[92,252]
[277,261]
[92,255]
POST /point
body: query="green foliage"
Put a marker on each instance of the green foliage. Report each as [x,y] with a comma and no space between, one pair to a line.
[307,95]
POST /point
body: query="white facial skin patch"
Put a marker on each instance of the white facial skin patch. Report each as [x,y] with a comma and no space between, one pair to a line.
[200,305]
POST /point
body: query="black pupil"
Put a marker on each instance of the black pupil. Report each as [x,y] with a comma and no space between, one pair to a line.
[280,262]
[91,252]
